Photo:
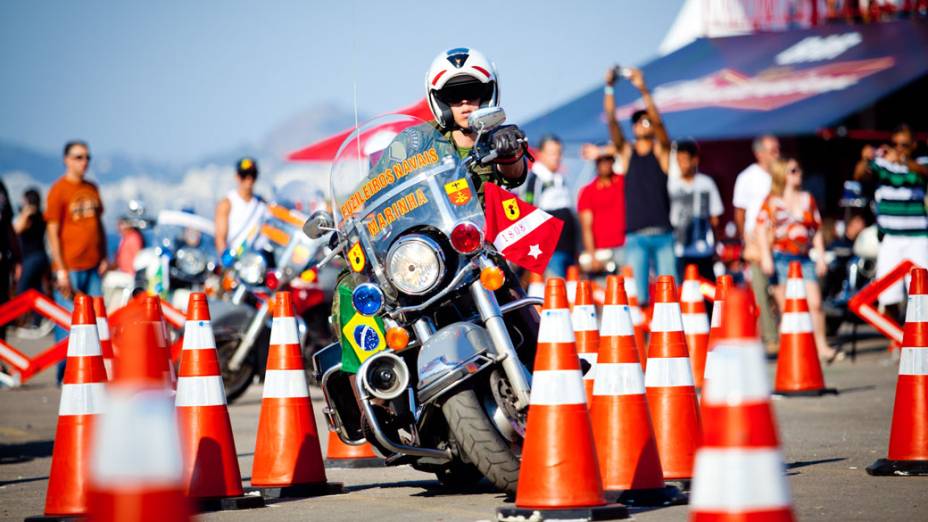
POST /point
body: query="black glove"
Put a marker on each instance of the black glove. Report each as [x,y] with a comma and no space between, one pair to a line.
[508,142]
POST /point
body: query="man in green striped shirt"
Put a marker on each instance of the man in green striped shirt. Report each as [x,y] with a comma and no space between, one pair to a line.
[900,205]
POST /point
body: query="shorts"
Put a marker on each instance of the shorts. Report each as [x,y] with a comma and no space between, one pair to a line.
[895,249]
[781,263]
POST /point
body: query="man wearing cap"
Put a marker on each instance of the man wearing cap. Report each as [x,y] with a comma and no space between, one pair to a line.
[239,214]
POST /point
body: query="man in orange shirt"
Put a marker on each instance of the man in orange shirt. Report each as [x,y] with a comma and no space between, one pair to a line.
[75,231]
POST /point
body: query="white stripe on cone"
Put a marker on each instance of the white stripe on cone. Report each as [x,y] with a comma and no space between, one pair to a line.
[103,329]
[82,399]
[916,310]
[666,318]
[284,331]
[536,290]
[631,289]
[283,384]
[739,479]
[618,379]
[555,326]
[695,324]
[198,335]
[204,390]
[913,361]
[689,292]
[571,287]
[557,387]
[796,323]
[583,318]
[83,341]
[637,316]
[795,289]
[617,321]
[716,314]
[138,439]
[709,365]
[664,372]
[738,374]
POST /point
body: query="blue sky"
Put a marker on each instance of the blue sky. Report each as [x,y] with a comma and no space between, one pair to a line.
[174,80]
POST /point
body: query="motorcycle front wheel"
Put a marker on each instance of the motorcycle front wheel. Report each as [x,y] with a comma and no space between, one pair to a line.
[479,440]
[235,382]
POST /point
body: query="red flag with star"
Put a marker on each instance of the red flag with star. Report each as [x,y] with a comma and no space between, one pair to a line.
[522,233]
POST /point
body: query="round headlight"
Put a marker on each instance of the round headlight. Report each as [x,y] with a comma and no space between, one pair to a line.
[191,261]
[414,264]
[251,268]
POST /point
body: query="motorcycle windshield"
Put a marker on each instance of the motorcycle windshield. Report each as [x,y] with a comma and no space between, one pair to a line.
[395,173]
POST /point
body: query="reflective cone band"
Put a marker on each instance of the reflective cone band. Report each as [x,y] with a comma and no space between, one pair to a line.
[136,466]
[536,285]
[739,473]
[722,284]
[82,399]
[798,369]
[559,466]
[586,332]
[695,322]
[631,290]
[669,384]
[103,332]
[908,439]
[287,451]
[573,277]
[210,461]
[625,443]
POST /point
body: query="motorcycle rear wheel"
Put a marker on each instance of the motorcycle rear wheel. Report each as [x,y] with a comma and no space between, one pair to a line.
[479,441]
[237,382]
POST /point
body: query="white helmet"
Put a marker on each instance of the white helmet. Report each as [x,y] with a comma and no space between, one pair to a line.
[455,67]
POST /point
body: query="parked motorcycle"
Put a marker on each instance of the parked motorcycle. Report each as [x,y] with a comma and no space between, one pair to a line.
[181,260]
[446,387]
[278,261]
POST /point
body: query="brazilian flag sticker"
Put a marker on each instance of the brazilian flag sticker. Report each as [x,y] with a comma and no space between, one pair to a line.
[362,336]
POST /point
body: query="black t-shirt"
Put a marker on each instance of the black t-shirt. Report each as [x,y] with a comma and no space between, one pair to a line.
[32,239]
[646,201]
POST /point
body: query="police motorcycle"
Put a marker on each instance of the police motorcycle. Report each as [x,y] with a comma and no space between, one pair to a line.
[434,364]
[280,258]
[181,259]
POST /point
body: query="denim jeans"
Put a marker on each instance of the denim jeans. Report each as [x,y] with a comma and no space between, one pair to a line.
[644,250]
[557,266]
[85,281]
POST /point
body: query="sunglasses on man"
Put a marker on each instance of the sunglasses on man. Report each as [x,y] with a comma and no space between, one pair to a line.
[80,157]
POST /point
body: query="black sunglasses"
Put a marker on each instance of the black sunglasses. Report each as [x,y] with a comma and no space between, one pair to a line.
[80,157]
[468,91]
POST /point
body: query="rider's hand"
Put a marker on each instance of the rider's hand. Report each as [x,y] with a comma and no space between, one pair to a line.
[610,76]
[508,142]
[637,78]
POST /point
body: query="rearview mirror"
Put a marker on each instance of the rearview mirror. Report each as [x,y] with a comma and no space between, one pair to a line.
[486,119]
[318,224]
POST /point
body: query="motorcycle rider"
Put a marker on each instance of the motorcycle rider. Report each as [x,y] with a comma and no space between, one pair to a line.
[460,81]
[239,214]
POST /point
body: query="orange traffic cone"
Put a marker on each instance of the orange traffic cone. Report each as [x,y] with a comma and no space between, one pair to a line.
[798,369]
[341,455]
[669,384]
[136,466]
[83,394]
[288,460]
[722,284]
[103,332]
[559,473]
[628,459]
[536,285]
[573,277]
[211,472]
[740,476]
[152,308]
[631,290]
[695,322]
[586,332]
[908,439]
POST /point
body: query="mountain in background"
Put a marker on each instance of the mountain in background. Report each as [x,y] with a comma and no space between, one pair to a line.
[198,184]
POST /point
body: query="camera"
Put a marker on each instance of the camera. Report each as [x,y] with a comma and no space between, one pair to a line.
[623,72]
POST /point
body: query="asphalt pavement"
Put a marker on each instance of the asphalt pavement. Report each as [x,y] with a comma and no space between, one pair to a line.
[827,443]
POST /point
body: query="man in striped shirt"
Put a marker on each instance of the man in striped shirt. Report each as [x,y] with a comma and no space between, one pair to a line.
[900,205]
